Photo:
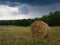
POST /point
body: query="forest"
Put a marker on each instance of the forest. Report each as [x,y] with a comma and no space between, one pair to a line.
[52,19]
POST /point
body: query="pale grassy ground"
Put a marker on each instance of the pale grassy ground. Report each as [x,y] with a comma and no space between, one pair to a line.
[16,35]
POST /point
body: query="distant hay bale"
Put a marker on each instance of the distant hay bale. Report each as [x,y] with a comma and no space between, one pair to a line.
[39,29]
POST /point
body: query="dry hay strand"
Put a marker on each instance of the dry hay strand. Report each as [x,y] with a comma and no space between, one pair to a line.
[39,29]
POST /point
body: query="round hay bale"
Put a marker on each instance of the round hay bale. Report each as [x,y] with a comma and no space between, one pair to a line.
[39,29]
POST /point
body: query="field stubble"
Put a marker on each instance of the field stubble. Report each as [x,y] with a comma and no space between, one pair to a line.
[16,35]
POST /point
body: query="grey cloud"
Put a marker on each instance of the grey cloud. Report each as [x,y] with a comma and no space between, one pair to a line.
[23,9]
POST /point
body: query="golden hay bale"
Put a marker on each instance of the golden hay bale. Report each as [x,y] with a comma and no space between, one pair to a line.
[39,29]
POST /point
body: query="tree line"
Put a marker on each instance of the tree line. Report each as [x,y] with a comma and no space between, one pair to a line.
[52,19]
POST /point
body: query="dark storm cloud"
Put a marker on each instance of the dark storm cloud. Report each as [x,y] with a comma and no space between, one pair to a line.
[9,3]
[34,2]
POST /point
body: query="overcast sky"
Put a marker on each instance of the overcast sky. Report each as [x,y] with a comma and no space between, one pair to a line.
[24,9]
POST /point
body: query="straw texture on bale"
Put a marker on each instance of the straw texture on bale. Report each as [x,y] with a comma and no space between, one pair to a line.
[39,29]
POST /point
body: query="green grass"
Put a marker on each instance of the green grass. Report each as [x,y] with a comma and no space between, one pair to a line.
[15,35]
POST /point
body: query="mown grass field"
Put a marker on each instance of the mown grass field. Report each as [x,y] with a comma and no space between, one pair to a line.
[17,35]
